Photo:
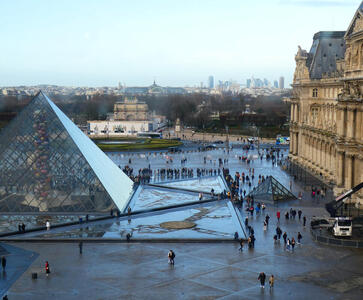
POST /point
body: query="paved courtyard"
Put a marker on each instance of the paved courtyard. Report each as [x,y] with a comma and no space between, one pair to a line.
[201,271]
[139,270]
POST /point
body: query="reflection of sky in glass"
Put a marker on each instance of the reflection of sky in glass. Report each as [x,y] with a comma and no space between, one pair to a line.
[202,184]
[151,197]
[212,221]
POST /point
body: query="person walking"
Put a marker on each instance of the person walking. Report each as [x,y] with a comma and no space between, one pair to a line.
[304,221]
[299,213]
[278,232]
[288,245]
[171,256]
[293,244]
[80,245]
[267,219]
[262,278]
[264,225]
[47,224]
[284,236]
[241,245]
[271,281]
[200,196]
[3,262]
[299,237]
[47,268]
[278,215]
[253,239]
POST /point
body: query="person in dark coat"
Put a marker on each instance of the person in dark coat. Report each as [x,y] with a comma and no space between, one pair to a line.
[171,256]
[285,237]
[262,278]
[299,237]
[3,262]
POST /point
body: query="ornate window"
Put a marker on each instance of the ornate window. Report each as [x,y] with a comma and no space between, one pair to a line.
[314,113]
[315,93]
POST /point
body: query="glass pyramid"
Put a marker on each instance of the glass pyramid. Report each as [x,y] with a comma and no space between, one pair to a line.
[48,165]
[271,190]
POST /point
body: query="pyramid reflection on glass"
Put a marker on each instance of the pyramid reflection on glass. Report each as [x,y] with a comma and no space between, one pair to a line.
[271,190]
[48,165]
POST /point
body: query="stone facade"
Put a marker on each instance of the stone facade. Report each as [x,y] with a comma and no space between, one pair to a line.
[131,110]
[326,130]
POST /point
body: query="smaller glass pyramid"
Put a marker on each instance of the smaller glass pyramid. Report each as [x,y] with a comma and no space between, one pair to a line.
[271,190]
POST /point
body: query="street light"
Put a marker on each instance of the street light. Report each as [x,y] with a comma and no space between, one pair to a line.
[227,138]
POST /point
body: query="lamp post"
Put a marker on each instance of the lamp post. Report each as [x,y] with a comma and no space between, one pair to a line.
[227,139]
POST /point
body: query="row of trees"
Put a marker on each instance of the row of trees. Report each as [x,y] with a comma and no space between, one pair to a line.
[192,109]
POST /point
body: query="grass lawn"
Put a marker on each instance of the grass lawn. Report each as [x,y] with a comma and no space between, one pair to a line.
[139,144]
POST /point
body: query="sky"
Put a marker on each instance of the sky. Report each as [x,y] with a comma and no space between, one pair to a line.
[175,42]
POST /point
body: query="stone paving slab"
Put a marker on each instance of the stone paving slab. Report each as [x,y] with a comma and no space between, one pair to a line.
[201,271]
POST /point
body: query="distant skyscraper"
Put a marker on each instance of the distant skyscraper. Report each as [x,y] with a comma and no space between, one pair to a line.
[265,82]
[211,82]
[257,82]
[248,83]
[276,84]
[281,82]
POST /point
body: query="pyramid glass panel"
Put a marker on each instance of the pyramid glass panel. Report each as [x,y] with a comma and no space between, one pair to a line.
[43,167]
[205,184]
[208,221]
[271,190]
[147,197]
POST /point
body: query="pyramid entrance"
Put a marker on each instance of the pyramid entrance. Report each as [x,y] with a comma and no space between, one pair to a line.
[48,165]
[271,190]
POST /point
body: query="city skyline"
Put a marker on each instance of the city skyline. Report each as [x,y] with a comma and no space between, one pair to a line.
[89,43]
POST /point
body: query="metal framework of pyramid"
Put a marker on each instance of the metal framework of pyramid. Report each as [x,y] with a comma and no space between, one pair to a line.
[271,190]
[47,164]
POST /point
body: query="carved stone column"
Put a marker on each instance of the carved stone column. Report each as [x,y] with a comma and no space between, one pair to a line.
[340,168]
[326,157]
[340,120]
[319,153]
[296,144]
[358,124]
[349,171]
[350,122]
[358,176]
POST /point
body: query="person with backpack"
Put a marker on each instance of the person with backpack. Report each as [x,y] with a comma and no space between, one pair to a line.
[171,256]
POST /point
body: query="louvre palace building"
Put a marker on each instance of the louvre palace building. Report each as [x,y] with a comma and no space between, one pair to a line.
[326,132]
